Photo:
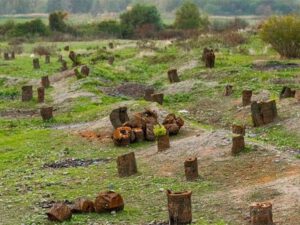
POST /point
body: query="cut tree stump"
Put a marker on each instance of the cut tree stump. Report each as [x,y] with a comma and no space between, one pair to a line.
[45,81]
[163,143]
[148,94]
[59,212]
[47,113]
[123,136]
[159,98]
[246,97]
[287,93]
[191,169]
[261,214]
[239,129]
[238,144]
[108,201]
[83,205]
[228,90]
[36,63]
[47,59]
[179,207]
[85,70]
[139,134]
[173,76]
[27,93]
[41,94]
[6,56]
[209,58]
[263,112]
[13,55]
[149,133]
[118,117]
[127,165]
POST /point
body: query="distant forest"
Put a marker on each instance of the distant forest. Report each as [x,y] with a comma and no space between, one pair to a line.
[215,7]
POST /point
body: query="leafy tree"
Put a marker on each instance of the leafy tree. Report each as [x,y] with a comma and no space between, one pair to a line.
[188,17]
[33,27]
[56,21]
[283,33]
[139,16]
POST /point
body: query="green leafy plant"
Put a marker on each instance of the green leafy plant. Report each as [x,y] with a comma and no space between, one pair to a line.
[159,130]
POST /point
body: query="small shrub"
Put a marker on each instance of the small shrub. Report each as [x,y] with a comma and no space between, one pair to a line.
[233,39]
[159,130]
[283,33]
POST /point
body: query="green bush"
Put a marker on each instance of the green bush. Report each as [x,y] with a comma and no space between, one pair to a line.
[188,17]
[110,27]
[283,33]
[159,130]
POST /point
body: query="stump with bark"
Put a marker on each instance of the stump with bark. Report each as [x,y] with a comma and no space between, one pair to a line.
[228,90]
[261,214]
[148,94]
[246,97]
[36,63]
[118,117]
[126,165]
[123,136]
[287,93]
[159,98]
[13,55]
[46,113]
[238,144]
[173,76]
[263,112]
[108,201]
[6,56]
[138,134]
[83,205]
[191,169]
[209,58]
[239,129]
[47,59]
[173,124]
[45,81]
[59,212]
[179,207]
[41,94]
[85,70]
[163,143]
[27,93]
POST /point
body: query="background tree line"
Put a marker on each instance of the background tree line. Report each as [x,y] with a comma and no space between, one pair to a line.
[216,7]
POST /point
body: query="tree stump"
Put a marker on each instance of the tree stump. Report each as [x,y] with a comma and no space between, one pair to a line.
[209,58]
[139,134]
[173,76]
[36,63]
[123,136]
[27,93]
[47,113]
[67,48]
[126,165]
[228,90]
[204,52]
[247,95]
[47,59]
[6,56]
[83,205]
[118,117]
[45,81]
[59,212]
[64,66]
[111,60]
[239,129]
[148,94]
[261,214]
[263,112]
[74,58]
[163,143]
[13,55]
[297,95]
[179,207]
[109,201]
[41,94]
[191,169]
[238,144]
[85,70]
[287,93]
[111,45]
[159,98]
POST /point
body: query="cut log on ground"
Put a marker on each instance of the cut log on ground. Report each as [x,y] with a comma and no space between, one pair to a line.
[122,136]
[59,212]
[83,205]
[261,214]
[127,165]
[179,207]
[191,169]
[109,201]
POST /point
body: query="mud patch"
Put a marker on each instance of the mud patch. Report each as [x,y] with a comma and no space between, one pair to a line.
[75,163]
[133,90]
[19,113]
[273,65]
[95,136]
